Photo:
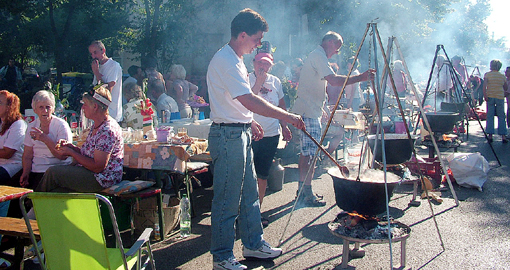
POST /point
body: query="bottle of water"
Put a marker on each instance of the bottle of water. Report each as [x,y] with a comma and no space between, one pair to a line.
[74,124]
[59,110]
[185,225]
[157,232]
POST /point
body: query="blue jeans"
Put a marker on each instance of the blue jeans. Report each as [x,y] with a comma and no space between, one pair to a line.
[495,105]
[235,191]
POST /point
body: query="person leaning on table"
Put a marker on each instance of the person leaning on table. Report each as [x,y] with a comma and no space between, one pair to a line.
[98,163]
[40,139]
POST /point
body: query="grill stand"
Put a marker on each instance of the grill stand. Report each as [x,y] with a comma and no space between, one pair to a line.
[358,252]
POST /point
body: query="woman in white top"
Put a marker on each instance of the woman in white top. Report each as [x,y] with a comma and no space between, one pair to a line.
[12,132]
[40,140]
[268,87]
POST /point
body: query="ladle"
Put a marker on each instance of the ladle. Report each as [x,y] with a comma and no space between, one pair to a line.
[343,169]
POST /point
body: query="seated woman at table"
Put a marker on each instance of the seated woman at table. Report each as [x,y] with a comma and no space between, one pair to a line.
[98,163]
[12,132]
[181,90]
[131,110]
[40,139]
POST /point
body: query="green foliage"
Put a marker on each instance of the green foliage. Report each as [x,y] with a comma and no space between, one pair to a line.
[290,90]
[59,31]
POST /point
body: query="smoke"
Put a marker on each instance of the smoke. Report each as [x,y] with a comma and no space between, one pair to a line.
[295,33]
[296,28]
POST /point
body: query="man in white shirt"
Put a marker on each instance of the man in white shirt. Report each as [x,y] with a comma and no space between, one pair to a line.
[311,96]
[108,72]
[163,102]
[235,183]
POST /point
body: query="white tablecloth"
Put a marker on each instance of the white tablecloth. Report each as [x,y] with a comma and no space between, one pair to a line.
[198,129]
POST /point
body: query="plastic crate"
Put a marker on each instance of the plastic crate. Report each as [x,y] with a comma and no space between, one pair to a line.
[431,167]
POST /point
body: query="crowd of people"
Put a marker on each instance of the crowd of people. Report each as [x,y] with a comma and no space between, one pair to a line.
[249,113]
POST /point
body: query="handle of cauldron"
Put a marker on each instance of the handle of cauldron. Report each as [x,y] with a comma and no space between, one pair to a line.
[361,157]
[343,169]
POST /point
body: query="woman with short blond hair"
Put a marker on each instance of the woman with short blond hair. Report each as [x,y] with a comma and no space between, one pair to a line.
[40,140]
[98,163]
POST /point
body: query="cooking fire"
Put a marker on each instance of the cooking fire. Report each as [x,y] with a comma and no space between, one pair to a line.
[359,226]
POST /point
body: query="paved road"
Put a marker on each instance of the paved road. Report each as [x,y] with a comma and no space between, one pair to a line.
[475,234]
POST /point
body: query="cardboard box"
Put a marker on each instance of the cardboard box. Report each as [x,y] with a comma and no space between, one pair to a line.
[145,214]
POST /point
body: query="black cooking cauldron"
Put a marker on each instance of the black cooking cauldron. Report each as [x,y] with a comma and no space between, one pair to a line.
[441,121]
[363,197]
[397,147]
[454,107]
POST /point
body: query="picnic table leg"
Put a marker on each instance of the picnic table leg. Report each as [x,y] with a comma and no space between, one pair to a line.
[158,174]
[19,250]
[161,215]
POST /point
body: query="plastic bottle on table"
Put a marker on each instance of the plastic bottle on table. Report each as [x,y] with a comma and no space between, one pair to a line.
[185,224]
[59,109]
[74,124]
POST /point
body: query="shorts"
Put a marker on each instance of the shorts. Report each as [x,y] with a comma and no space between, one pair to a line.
[263,154]
[314,127]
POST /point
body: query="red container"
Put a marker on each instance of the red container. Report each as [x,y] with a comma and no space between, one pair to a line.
[431,167]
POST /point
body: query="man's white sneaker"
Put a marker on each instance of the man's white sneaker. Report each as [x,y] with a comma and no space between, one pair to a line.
[265,252]
[229,264]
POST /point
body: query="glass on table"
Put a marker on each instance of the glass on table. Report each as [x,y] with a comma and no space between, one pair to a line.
[138,135]
[182,131]
[196,114]
[127,134]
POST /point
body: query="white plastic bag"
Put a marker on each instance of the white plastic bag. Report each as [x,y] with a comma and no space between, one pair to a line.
[469,169]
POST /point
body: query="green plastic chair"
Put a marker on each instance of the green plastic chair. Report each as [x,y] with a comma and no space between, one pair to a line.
[72,234]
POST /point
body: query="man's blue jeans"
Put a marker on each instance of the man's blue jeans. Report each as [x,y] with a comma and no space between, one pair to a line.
[235,191]
[495,105]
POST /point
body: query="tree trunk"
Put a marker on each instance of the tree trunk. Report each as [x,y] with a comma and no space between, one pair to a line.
[60,40]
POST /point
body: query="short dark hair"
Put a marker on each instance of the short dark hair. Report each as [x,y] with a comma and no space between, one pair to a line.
[248,21]
[133,70]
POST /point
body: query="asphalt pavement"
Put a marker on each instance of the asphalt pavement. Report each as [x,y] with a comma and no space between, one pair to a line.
[471,235]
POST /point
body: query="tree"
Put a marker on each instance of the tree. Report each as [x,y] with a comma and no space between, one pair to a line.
[63,29]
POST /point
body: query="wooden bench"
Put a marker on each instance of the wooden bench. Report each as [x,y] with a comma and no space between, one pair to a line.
[16,227]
